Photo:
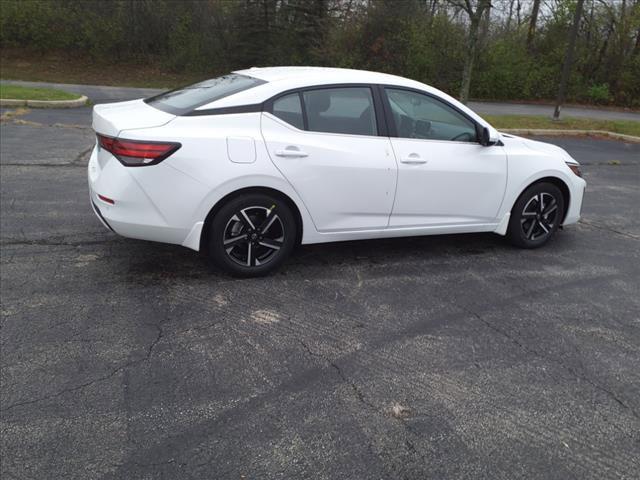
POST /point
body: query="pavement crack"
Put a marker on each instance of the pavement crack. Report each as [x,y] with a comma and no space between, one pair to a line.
[18,164]
[76,387]
[9,242]
[70,125]
[356,390]
[155,341]
[152,464]
[607,228]
[81,156]
[103,378]
[570,370]
[30,123]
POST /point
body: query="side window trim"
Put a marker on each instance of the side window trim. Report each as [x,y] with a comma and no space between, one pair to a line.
[303,107]
[378,105]
[393,129]
[377,96]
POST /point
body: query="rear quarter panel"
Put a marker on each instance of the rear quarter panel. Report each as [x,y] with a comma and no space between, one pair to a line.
[201,172]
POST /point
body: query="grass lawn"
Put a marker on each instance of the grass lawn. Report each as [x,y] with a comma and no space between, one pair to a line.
[626,127]
[27,93]
[19,64]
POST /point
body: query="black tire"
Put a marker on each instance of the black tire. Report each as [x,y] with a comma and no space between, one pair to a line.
[536,215]
[252,235]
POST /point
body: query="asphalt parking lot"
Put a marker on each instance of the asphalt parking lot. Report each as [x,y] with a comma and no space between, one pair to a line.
[435,357]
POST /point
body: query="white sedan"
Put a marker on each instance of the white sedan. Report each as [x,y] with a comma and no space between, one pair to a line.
[248,165]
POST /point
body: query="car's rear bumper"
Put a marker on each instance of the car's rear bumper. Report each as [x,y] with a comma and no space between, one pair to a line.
[133,213]
[98,213]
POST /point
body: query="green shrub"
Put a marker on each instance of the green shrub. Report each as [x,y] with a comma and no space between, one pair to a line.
[599,93]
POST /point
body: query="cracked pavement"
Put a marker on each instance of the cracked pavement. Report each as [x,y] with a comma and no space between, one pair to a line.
[432,357]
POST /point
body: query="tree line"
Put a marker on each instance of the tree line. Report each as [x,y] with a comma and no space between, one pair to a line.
[491,49]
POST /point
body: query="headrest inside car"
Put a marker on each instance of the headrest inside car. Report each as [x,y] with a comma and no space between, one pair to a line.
[318,101]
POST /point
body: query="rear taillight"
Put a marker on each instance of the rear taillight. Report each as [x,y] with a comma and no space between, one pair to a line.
[137,153]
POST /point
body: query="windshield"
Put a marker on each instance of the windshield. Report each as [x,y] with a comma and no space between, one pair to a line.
[185,99]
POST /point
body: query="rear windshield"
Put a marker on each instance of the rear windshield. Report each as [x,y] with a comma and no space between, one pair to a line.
[185,99]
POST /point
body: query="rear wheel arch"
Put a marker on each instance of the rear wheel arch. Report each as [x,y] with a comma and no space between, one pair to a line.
[204,238]
[562,186]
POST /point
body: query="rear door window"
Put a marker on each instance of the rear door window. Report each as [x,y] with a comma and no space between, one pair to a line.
[185,99]
[346,110]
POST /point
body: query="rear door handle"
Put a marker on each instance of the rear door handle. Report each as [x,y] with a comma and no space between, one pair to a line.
[291,152]
[413,159]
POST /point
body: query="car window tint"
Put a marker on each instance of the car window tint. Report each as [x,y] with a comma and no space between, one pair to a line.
[184,99]
[289,109]
[421,116]
[341,110]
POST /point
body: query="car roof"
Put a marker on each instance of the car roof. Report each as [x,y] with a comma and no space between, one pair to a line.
[281,79]
[329,74]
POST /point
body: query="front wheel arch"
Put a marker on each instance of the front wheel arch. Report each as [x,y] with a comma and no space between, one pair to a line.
[562,186]
[204,238]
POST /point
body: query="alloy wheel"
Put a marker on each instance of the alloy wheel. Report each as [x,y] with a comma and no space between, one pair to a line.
[253,236]
[539,216]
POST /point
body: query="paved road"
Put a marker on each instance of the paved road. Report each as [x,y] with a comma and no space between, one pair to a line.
[495,108]
[101,94]
[446,357]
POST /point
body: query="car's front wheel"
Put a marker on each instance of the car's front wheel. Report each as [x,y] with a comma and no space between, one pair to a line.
[536,215]
[252,235]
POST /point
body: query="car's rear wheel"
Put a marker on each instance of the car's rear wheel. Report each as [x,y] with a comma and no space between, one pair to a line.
[252,235]
[536,215]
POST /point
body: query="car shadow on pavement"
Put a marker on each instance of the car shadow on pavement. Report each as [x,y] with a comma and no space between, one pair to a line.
[144,261]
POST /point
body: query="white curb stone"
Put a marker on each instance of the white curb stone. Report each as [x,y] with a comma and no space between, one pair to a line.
[78,102]
[569,133]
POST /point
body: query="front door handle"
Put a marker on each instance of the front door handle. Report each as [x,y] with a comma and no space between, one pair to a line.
[413,159]
[291,152]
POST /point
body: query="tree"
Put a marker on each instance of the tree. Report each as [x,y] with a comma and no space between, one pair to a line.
[506,50]
[475,14]
[532,23]
[568,59]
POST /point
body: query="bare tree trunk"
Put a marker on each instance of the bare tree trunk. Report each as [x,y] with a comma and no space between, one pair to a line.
[472,44]
[485,22]
[589,30]
[475,17]
[636,47]
[510,17]
[621,50]
[568,59]
[432,8]
[605,44]
[532,23]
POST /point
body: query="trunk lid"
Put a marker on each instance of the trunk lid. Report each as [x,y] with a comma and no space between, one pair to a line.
[112,118]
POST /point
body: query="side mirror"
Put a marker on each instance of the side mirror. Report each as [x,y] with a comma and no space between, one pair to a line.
[488,137]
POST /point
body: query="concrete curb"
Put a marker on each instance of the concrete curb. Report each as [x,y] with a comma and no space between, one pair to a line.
[568,133]
[79,102]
